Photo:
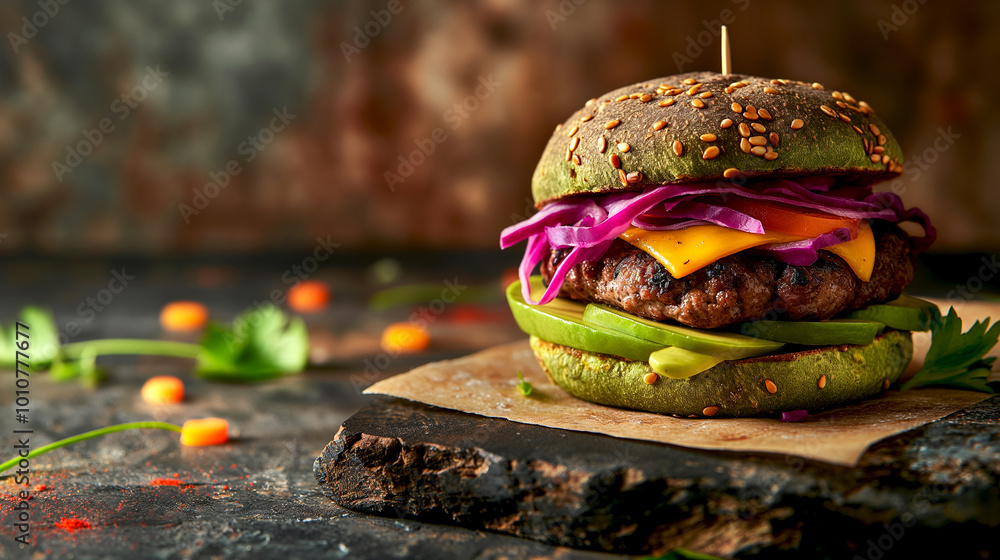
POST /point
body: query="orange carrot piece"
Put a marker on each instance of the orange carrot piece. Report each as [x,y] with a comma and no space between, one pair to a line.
[309,296]
[163,389]
[183,316]
[205,431]
[405,338]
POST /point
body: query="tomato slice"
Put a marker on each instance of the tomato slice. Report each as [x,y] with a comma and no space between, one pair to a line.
[784,218]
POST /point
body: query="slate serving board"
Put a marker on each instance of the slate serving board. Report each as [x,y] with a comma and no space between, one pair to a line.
[937,485]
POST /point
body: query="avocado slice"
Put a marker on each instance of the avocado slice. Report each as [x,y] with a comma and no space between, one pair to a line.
[678,363]
[561,322]
[724,345]
[904,313]
[815,333]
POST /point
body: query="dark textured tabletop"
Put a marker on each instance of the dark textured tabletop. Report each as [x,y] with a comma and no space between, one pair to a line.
[142,494]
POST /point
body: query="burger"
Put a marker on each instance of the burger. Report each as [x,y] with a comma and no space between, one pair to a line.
[713,245]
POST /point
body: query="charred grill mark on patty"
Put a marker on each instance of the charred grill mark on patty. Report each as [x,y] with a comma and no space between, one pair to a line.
[743,287]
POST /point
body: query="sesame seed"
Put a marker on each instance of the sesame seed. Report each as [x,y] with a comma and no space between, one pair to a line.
[710,152]
[602,144]
[758,127]
[675,91]
[771,156]
[817,85]
[698,103]
[622,97]
[623,147]
[773,137]
[739,84]
[758,140]
[558,127]
[612,123]
[822,381]
[836,95]
[689,81]
[867,147]
[881,139]
[885,158]
[797,124]
[666,103]
[646,98]
[658,125]
[576,159]
[745,145]
[736,107]
[573,131]
[866,107]
[635,96]
[764,114]
[729,89]
[777,83]
[616,162]
[651,378]
[828,111]
[622,177]
[858,130]
[678,148]
[744,130]
[885,385]
[705,95]
[730,173]
[758,150]
[752,115]
[844,117]
[879,149]
[876,158]
[710,410]
[874,129]
[569,155]
[574,143]
[708,138]
[694,90]
[587,118]
[841,104]
[634,177]
[770,90]
[770,386]
[726,123]
[848,98]
[590,101]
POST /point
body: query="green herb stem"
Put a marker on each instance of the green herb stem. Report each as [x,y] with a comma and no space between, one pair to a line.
[131,346]
[88,435]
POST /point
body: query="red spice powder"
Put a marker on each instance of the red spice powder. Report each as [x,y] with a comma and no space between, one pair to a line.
[72,524]
[164,482]
[40,488]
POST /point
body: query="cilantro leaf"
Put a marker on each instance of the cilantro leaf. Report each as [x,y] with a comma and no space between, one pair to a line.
[524,386]
[42,337]
[261,344]
[957,359]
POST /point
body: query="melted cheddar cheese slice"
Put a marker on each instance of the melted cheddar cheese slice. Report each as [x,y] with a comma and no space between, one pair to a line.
[684,251]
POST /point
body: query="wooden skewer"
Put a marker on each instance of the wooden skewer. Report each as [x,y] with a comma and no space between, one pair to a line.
[726,62]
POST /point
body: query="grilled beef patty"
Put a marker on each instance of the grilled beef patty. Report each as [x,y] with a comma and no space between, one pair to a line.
[746,286]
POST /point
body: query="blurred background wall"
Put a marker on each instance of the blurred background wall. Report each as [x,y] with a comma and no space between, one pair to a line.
[169,127]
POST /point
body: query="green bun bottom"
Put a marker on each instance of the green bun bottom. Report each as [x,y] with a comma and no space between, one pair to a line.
[734,389]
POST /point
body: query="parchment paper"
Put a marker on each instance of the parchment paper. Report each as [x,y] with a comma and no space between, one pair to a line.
[485,383]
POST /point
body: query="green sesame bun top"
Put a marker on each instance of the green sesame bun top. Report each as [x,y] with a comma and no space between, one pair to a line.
[704,126]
